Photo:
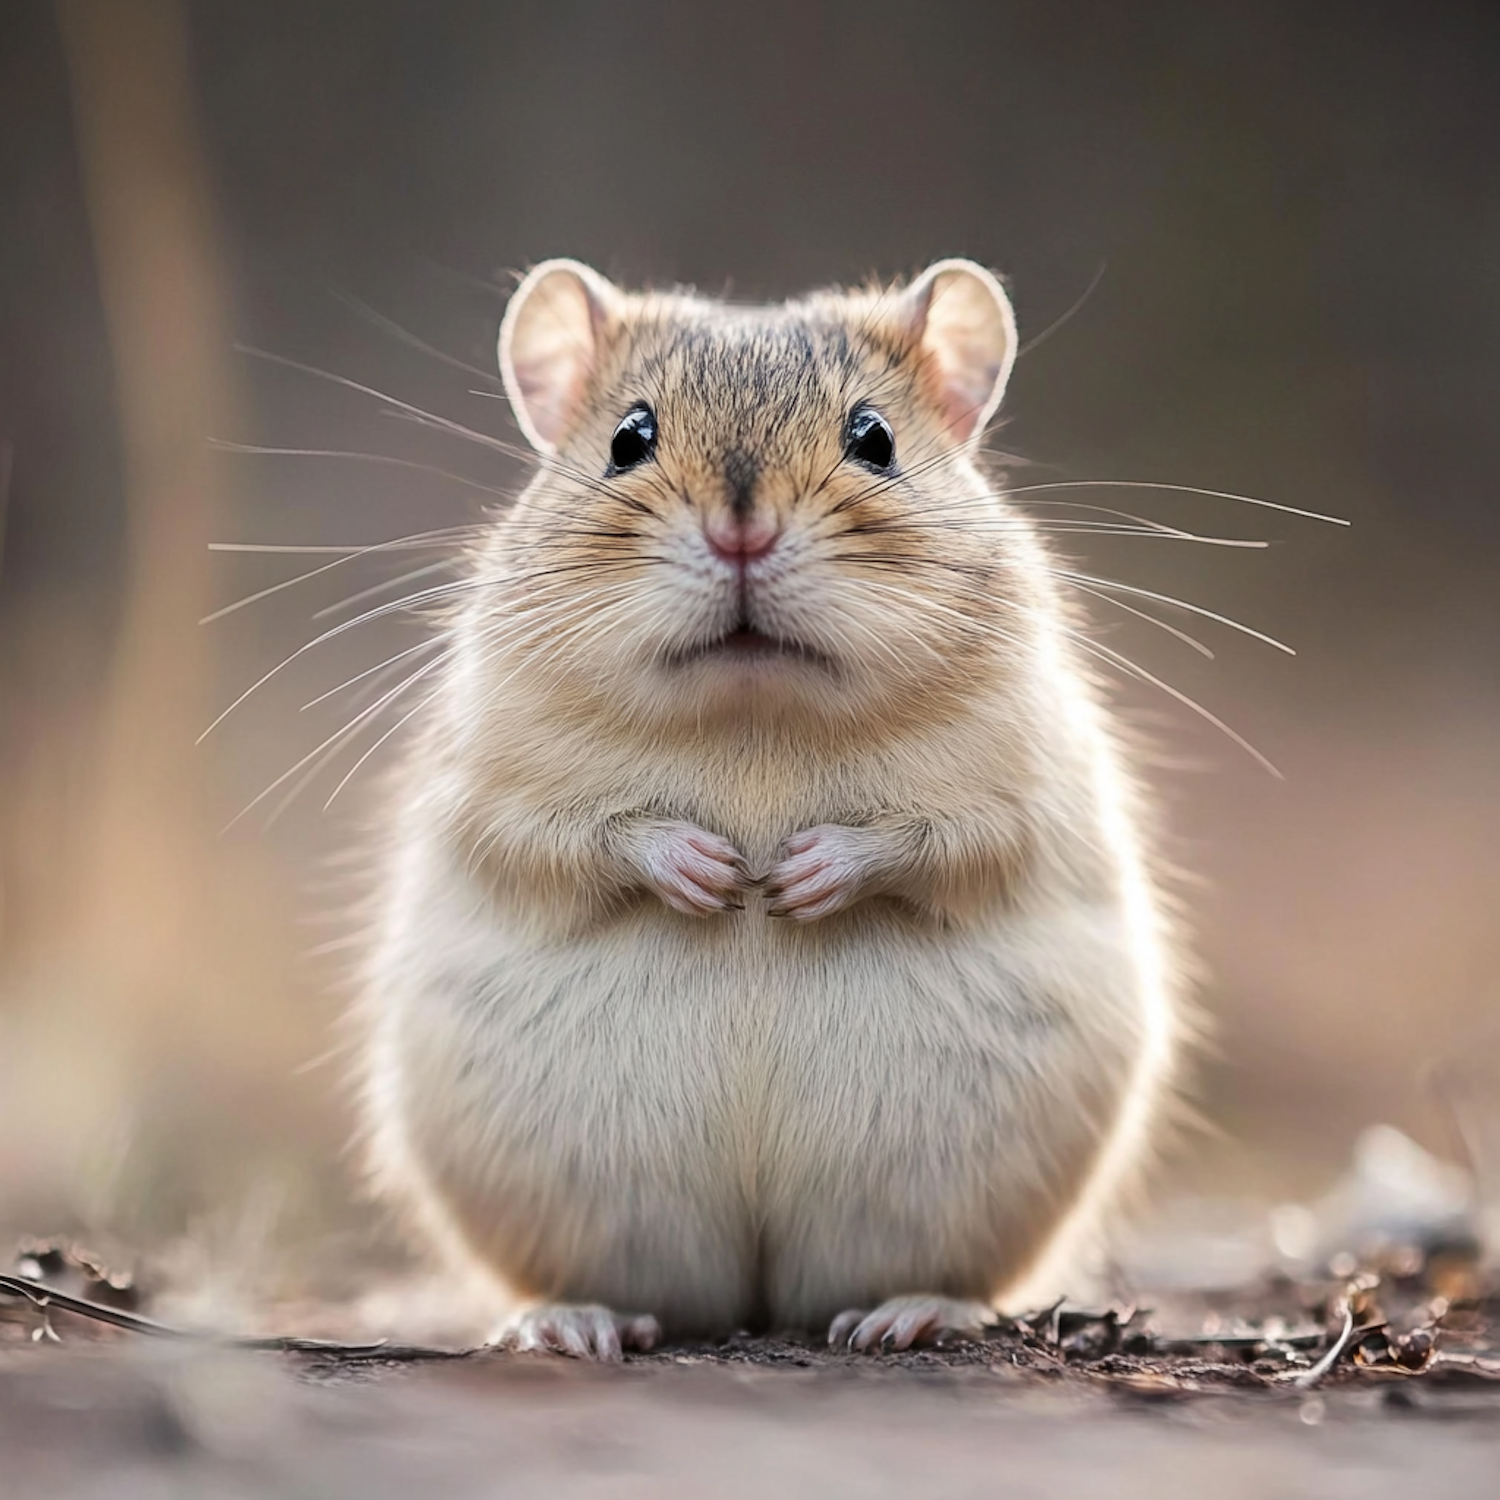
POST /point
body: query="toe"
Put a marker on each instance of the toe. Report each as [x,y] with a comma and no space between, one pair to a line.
[573,1337]
[910,1326]
[844,1325]
[872,1328]
[642,1334]
[605,1337]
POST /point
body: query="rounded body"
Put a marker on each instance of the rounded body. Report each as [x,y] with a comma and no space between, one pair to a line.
[764,930]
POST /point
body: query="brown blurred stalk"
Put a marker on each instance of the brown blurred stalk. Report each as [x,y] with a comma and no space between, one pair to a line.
[162,283]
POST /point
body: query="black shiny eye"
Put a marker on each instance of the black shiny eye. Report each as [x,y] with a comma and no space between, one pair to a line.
[868,438]
[635,438]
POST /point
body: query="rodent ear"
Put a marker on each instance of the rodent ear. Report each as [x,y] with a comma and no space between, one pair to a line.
[555,325]
[963,321]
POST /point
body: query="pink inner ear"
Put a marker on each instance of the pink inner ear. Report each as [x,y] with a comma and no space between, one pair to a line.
[961,410]
[552,387]
[963,391]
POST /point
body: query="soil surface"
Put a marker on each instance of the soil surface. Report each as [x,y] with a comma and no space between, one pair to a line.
[1363,1385]
[164,1421]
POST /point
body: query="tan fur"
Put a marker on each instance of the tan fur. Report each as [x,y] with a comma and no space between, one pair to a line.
[737,1117]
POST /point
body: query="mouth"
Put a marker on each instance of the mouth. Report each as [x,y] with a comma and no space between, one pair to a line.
[746,645]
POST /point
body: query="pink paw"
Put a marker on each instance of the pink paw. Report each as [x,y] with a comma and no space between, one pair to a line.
[586,1331]
[821,871]
[904,1321]
[692,870]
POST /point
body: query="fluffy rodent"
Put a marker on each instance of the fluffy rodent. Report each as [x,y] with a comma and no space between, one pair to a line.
[765,937]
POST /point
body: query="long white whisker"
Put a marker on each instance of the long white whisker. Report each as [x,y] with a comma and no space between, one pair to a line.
[300,550]
[398,725]
[381,588]
[390,661]
[1195,609]
[1150,619]
[259,450]
[341,628]
[344,555]
[1133,669]
[427,418]
[1182,489]
[1115,658]
[335,740]
[390,326]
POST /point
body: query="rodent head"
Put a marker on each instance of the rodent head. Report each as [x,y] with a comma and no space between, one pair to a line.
[755,513]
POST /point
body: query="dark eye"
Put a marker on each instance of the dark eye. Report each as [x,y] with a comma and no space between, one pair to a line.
[635,438]
[868,438]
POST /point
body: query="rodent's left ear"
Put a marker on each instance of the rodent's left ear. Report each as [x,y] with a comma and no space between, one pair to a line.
[555,325]
[961,317]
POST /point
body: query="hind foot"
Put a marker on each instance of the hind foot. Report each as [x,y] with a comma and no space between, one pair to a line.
[904,1321]
[584,1330]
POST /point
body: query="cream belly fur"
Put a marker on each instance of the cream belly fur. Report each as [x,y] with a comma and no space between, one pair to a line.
[749,1121]
[757,1123]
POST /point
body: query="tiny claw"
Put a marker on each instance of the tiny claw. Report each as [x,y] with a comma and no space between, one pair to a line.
[842,1329]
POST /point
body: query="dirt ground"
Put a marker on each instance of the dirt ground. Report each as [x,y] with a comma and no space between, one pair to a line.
[1373,1383]
[146,1421]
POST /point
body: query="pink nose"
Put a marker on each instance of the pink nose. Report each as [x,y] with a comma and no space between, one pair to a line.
[740,541]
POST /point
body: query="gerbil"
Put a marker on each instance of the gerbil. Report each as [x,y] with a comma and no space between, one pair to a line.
[765,938]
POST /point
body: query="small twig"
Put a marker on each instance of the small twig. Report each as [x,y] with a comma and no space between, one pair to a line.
[43,1297]
[1309,1378]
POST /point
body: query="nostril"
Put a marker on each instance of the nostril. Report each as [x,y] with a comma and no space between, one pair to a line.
[739,541]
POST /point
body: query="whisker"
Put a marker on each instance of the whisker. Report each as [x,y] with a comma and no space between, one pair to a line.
[389,325]
[1181,489]
[519,631]
[1196,609]
[278,548]
[395,728]
[427,418]
[331,745]
[349,682]
[1150,619]
[1124,663]
[381,588]
[1105,653]
[336,630]
[1067,317]
[260,450]
[344,555]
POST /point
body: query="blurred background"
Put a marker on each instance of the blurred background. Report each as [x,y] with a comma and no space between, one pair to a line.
[1273,232]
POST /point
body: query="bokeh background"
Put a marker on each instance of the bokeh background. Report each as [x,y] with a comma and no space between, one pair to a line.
[1276,228]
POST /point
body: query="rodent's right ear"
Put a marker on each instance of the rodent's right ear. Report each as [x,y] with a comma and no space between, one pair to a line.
[555,325]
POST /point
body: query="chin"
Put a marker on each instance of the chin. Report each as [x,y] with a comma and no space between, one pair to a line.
[750,655]
[745,679]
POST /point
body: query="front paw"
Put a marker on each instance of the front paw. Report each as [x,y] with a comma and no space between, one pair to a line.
[692,870]
[821,870]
